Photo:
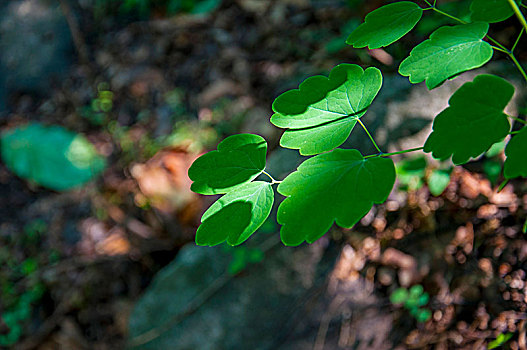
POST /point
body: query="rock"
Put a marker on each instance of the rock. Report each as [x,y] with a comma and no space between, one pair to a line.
[194,304]
[35,47]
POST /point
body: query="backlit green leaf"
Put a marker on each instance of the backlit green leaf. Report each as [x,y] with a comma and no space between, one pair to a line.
[322,112]
[237,215]
[516,152]
[438,181]
[490,11]
[338,186]
[386,25]
[50,156]
[449,51]
[473,122]
[239,159]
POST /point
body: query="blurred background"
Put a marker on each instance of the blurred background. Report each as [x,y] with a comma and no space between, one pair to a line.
[104,105]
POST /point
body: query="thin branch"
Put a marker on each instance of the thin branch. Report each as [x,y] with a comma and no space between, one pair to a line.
[394,153]
[517,39]
[517,119]
[518,13]
[369,135]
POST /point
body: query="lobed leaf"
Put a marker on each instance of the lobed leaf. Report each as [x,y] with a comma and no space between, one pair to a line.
[237,215]
[51,156]
[238,160]
[322,112]
[386,25]
[338,186]
[449,51]
[490,11]
[473,121]
[516,152]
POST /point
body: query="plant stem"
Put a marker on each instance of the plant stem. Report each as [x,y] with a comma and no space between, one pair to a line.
[517,39]
[449,15]
[517,119]
[273,181]
[518,65]
[500,49]
[394,153]
[518,13]
[369,135]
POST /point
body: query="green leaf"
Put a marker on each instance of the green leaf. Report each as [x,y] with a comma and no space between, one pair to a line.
[237,215]
[399,296]
[239,159]
[500,340]
[473,122]
[322,112]
[338,186]
[386,25]
[516,152]
[50,156]
[438,181]
[423,315]
[490,11]
[410,172]
[449,51]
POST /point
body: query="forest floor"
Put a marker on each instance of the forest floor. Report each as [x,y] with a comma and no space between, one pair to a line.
[74,264]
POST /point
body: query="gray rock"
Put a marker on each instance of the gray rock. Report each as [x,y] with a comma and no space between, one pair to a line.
[194,304]
[35,47]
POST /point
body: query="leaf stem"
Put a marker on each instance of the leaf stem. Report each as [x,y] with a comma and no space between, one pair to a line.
[517,119]
[500,49]
[517,40]
[518,13]
[449,15]
[394,153]
[273,181]
[518,65]
[369,135]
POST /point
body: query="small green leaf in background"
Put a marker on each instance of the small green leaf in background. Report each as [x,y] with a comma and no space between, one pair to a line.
[237,215]
[500,340]
[490,11]
[239,159]
[423,315]
[438,181]
[338,186]
[473,122]
[449,51]
[492,170]
[50,156]
[399,296]
[410,173]
[496,148]
[386,25]
[321,114]
[516,152]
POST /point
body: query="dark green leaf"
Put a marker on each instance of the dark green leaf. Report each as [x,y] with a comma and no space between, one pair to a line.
[237,215]
[338,186]
[50,156]
[386,25]
[490,11]
[449,51]
[239,159]
[322,112]
[473,122]
[516,152]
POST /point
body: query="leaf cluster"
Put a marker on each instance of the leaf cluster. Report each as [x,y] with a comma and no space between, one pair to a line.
[341,185]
